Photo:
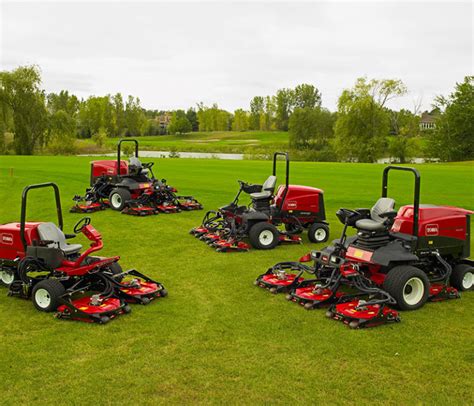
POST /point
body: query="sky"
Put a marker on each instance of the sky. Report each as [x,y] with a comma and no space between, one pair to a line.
[175,54]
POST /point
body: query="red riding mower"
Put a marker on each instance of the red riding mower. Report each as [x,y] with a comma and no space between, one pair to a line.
[296,207]
[130,187]
[403,259]
[37,262]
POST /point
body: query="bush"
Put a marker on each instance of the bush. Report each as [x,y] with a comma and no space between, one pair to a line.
[62,147]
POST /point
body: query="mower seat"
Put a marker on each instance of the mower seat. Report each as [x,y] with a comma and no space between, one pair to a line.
[267,190]
[135,167]
[51,232]
[376,222]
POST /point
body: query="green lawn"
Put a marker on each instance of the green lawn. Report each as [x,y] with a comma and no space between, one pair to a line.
[217,338]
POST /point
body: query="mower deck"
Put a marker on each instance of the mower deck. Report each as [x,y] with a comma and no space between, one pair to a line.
[356,314]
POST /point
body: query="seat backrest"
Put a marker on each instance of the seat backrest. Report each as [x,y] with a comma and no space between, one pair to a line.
[383,205]
[51,232]
[269,184]
[134,165]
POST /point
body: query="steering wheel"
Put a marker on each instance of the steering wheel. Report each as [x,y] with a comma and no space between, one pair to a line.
[85,221]
[242,183]
[348,212]
[147,165]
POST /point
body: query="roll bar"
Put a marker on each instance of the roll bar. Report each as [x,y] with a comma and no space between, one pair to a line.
[287,181]
[416,192]
[24,200]
[119,146]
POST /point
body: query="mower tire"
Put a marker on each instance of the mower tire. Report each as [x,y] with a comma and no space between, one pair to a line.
[462,277]
[408,285]
[263,236]
[118,198]
[6,278]
[318,232]
[46,295]
[116,269]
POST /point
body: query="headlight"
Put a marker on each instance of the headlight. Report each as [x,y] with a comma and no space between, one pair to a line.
[334,259]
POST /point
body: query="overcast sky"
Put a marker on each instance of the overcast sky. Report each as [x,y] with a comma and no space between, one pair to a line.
[173,55]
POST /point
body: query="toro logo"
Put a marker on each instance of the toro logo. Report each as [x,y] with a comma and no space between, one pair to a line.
[7,239]
[432,229]
[292,204]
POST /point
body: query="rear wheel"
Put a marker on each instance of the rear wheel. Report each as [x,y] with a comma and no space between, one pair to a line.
[408,285]
[318,232]
[462,277]
[46,295]
[263,236]
[118,198]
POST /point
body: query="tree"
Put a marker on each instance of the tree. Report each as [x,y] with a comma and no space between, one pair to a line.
[241,120]
[134,117]
[257,105]
[307,96]
[453,137]
[311,128]
[20,91]
[405,126]
[363,123]
[285,99]
[213,118]
[179,123]
[191,115]
[267,117]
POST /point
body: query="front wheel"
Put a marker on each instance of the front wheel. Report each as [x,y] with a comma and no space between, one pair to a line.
[318,232]
[47,295]
[408,285]
[462,277]
[7,278]
[263,236]
[118,198]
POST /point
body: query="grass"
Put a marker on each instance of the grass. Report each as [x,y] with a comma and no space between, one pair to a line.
[217,339]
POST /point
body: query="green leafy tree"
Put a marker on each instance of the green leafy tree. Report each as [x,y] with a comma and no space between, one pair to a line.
[306,96]
[311,128]
[179,123]
[285,100]
[20,91]
[241,120]
[257,107]
[363,123]
[405,127]
[453,137]
[267,117]
[191,115]
[134,117]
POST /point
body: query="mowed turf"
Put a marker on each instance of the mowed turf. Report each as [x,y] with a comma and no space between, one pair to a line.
[217,338]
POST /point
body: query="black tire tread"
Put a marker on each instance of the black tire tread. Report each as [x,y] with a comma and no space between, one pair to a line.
[55,289]
[312,228]
[457,275]
[124,194]
[396,279]
[255,231]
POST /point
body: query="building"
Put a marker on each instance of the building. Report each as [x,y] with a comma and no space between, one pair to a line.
[428,120]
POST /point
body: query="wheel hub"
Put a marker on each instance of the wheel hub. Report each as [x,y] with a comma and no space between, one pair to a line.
[467,280]
[42,298]
[413,291]
[266,237]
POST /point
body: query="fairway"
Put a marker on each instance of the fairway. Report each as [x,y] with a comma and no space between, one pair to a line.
[248,142]
[217,338]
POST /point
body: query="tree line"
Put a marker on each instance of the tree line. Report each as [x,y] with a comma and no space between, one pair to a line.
[362,129]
